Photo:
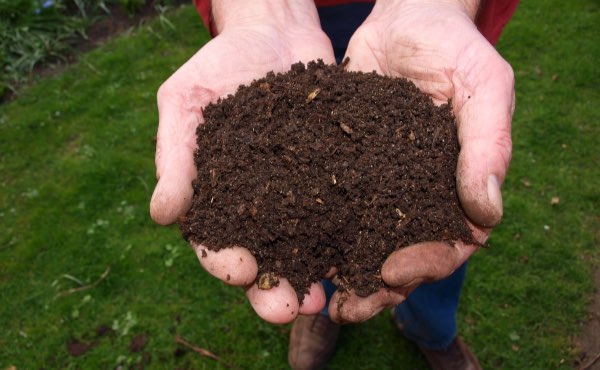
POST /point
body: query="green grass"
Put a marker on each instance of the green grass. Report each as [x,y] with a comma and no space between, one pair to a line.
[76,164]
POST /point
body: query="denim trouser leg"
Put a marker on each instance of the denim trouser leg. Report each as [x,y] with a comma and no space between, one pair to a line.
[330,288]
[428,315]
[339,23]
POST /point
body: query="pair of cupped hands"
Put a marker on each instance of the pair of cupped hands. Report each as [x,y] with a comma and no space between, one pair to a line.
[433,43]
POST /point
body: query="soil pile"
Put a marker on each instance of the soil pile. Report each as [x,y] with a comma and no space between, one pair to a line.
[321,167]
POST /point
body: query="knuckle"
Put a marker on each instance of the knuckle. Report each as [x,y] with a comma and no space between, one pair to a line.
[508,71]
[165,91]
[504,147]
[353,316]
[438,272]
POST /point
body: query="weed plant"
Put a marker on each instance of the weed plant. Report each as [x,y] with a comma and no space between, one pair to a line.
[42,32]
[32,33]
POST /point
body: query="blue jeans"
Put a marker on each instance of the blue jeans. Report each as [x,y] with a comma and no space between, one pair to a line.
[428,315]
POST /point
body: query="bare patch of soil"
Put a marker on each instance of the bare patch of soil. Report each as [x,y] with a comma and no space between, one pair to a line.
[77,348]
[138,343]
[588,342]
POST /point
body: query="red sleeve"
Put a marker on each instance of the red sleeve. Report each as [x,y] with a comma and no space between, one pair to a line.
[205,11]
[493,16]
[338,2]
[491,19]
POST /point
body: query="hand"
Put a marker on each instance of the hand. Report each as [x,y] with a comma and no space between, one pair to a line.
[254,38]
[436,45]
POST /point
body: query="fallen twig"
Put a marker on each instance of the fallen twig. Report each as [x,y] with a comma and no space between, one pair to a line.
[590,363]
[200,351]
[85,287]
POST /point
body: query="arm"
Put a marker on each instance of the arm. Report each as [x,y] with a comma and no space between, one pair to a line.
[436,44]
[254,37]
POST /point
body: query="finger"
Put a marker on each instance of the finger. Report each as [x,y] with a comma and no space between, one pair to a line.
[424,262]
[346,307]
[179,116]
[314,300]
[484,131]
[173,193]
[278,305]
[331,273]
[235,266]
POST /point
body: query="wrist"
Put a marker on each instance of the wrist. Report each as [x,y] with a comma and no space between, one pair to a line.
[231,14]
[469,8]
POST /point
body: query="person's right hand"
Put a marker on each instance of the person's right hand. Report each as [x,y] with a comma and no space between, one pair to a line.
[254,38]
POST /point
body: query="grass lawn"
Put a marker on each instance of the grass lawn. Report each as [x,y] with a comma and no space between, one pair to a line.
[77,172]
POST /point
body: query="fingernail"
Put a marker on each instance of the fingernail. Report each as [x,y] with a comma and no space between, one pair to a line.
[495,196]
[154,192]
[153,205]
[414,283]
[405,288]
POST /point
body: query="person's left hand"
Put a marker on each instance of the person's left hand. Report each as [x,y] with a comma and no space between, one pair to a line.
[436,45]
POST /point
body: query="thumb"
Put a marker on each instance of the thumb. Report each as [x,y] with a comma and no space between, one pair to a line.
[173,193]
[484,133]
[175,145]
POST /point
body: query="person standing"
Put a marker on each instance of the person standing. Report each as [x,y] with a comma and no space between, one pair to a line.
[446,48]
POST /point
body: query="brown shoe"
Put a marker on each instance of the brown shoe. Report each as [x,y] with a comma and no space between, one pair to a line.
[312,342]
[456,357]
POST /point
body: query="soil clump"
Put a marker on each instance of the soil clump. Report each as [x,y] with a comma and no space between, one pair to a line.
[321,167]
